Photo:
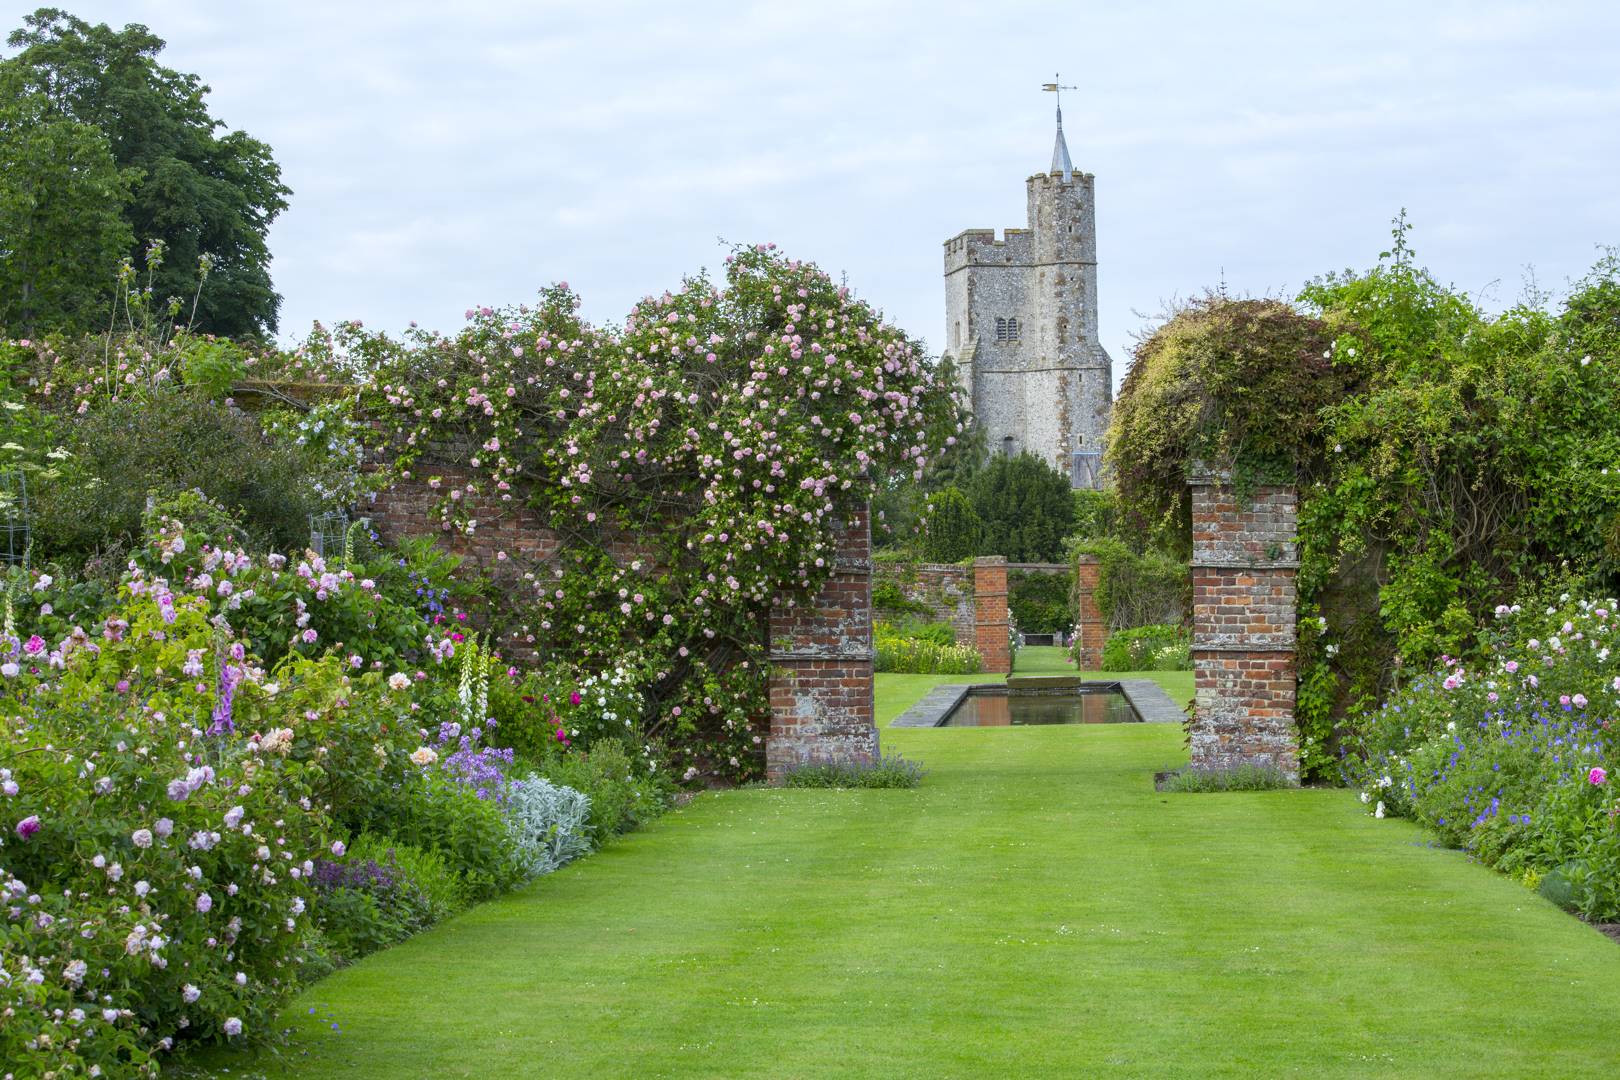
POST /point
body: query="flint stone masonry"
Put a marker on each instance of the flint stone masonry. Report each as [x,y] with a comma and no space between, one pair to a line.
[1047,388]
[992,624]
[945,589]
[820,651]
[821,665]
[1244,566]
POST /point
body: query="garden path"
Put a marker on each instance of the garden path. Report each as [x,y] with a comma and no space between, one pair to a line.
[1035,909]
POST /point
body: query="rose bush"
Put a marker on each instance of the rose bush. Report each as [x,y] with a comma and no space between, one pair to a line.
[162,891]
[692,466]
[176,808]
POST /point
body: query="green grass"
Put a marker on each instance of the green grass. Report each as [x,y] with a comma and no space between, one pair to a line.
[1034,909]
[1042,660]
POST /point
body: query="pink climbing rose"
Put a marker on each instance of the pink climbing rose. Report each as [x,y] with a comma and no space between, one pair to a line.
[1598,776]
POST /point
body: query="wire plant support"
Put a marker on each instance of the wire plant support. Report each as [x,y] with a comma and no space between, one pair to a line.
[15,518]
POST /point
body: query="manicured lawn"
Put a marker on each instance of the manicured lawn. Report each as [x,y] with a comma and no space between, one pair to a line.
[1035,909]
[1042,660]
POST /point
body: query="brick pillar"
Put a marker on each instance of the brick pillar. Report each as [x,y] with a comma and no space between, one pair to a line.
[821,664]
[1243,568]
[991,623]
[1090,631]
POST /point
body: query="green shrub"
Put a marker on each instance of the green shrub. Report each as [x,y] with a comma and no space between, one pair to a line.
[933,633]
[1236,778]
[922,648]
[166,441]
[888,771]
[380,893]
[1027,508]
[1041,603]
[442,889]
[1136,588]
[1148,648]
[549,824]
[211,367]
[436,812]
[954,530]
[888,596]
[621,798]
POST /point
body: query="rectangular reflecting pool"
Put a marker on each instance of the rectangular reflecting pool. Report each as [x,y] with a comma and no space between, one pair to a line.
[998,706]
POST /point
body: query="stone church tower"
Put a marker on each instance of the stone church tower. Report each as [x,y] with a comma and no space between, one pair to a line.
[1021,324]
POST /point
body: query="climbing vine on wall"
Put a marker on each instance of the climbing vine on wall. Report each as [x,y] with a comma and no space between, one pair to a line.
[1447,460]
[693,464]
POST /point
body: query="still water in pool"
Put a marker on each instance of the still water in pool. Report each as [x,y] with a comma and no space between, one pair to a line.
[1016,710]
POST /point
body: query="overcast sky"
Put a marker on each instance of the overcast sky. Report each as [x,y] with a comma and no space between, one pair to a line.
[449,154]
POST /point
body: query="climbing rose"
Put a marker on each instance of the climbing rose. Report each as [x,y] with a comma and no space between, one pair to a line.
[1597,776]
[28,826]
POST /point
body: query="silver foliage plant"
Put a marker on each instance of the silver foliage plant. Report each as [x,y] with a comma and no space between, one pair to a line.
[548,824]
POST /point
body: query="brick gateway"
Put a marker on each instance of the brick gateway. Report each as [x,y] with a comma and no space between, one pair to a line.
[820,650]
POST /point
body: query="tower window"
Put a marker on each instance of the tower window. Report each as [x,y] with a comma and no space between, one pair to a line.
[1007,446]
[1006,329]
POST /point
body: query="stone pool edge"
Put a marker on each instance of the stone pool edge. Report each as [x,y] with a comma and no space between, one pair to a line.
[1147,697]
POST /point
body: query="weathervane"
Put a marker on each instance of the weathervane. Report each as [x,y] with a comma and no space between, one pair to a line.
[1058,89]
[1060,149]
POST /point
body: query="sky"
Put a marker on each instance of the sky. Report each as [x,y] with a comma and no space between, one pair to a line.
[445,155]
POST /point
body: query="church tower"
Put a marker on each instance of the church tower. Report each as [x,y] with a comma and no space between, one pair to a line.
[1021,325]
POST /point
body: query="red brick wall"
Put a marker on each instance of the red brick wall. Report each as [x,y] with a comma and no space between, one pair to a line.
[946,589]
[991,622]
[821,665]
[1090,630]
[821,652]
[1243,569]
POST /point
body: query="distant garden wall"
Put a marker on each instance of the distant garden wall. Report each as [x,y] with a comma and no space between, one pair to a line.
[942,591]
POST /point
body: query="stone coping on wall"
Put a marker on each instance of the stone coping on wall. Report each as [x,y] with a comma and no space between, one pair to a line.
[934,705]
[1151,702]
[1147,697]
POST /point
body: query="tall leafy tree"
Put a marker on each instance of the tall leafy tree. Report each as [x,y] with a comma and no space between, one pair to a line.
[1027,508]
[62,230]
[954,530]
[201,190]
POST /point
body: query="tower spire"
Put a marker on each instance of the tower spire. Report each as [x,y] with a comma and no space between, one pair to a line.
[1060,149]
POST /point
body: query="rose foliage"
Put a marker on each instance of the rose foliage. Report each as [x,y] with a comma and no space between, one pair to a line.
[693,465]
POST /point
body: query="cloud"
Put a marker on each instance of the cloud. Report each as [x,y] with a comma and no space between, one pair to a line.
[443,156]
